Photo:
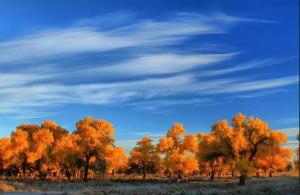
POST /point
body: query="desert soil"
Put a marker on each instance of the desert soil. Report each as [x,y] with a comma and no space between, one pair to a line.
[286,185]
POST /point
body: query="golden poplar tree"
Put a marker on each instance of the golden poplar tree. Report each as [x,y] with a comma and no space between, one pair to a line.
[94,135]
[179,151]
[144,157]
[67,152]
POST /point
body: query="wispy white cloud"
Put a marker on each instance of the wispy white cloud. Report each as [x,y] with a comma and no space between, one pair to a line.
[108,93]
[228,18]
[291,132]
[255,85]
[15,79]
[99,93]
[287,121]
[243,66]
[82,39]
[169,63]
[128,144]
[59,42]
[292,145]
[108,20]
[152,79]
[160,64]
[145,133]
[260,93]
[153,105]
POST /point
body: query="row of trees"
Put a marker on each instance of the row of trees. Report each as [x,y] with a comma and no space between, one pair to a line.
[48,150]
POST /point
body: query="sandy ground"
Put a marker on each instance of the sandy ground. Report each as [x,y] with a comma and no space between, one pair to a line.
[277,185]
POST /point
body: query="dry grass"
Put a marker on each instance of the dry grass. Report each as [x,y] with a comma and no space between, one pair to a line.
[264,185]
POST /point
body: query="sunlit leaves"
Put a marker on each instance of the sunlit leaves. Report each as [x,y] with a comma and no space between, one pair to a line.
[165,144]
[19,140]
[144,156]
[246,145]
[115,158]
[6,153]
[41,140]
[190,143]
[241,143]
[94,135]
[66,150]
[179,151]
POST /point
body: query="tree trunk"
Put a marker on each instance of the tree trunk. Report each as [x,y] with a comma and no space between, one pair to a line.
[212,176]
[257,174]
[68,174]
[77,174]
[144,174]
[179,175]
[242,179]
[58,173]
[232,173]
[270,173]
[24,169]
[39,168]
[86,167]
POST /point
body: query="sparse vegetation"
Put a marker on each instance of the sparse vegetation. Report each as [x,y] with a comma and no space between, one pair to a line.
[153,185]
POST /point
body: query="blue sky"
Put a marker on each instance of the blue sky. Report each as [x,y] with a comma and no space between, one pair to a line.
[144,65]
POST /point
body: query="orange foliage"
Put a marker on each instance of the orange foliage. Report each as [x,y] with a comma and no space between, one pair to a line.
[179,150]
[190,143]
[144,156]
[19,140]
[41,140]
[244,145]
[176,133]
[165,144]
[243,141]
[94,133]
[115,158]
[94,136]
[6,153]
[66,150]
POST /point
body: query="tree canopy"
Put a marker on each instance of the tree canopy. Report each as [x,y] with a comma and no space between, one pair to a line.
[242,147]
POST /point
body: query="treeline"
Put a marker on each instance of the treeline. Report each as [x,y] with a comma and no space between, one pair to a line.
[48,151]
